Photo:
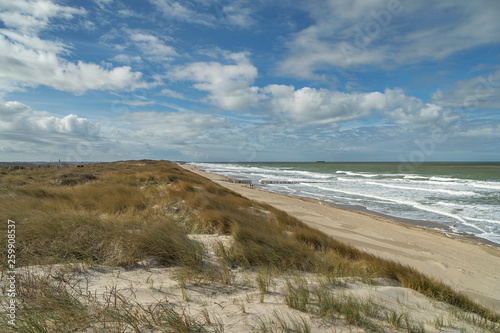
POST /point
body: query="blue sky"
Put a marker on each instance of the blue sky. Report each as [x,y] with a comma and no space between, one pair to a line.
[205,80]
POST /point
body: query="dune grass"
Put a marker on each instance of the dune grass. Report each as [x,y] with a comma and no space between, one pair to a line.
[48,306]
[114,218]
[122,213]
[278,323]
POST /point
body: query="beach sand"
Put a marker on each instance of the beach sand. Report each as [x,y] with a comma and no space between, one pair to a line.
[239,306]
[464,264]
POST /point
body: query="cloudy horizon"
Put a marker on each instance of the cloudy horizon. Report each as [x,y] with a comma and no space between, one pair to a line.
[206,80]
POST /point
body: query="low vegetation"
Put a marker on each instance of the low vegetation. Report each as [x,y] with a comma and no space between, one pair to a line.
[125,213]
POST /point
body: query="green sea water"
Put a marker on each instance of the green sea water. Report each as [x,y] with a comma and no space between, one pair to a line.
[460,170]
[462,196]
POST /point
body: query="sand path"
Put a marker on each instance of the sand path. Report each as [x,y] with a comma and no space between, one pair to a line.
[464,264]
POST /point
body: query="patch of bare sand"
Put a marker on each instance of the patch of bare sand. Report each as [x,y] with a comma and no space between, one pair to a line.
[464,264]
[240,305]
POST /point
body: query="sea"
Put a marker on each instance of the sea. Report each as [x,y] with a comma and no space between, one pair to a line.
[461,198]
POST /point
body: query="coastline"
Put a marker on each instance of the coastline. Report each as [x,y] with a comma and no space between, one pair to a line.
[466,264]
[428,225]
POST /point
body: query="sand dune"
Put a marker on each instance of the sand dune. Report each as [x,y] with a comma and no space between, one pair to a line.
[239,304]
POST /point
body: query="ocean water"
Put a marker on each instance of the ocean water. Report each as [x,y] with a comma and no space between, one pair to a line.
[462,197]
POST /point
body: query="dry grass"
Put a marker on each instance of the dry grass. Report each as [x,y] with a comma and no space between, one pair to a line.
[109,220]
[122,213]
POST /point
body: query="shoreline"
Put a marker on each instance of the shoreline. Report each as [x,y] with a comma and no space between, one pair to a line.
[424,224]
[466,264]
[454,213]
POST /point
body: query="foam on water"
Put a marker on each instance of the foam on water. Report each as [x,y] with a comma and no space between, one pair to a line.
[486,185]
[349,173]
[465,205]
[451,192]
[414,177]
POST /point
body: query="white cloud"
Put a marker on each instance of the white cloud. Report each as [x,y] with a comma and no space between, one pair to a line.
[126,59]
[168,128]
[388,33]
[26,134]
[103,3]
[32,67]
[29,16]
[321,106]
[239,14]
[137,41]
[135,103]
[229,86]
[309,107]
[483,131]
[33,42]
[171,93]
[213,14]
[19,119]
[28,60]
[152,47]
[170,135]
[423,115]
[481,91]
[180,11]
[413,114]
[127,13]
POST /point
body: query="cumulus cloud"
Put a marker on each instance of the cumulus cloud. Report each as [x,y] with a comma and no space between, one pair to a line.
[28,60]
[26,134]
[19,119]
[321,106]
[413,114]
[28,66]
[309,107]
[423,115]
[230,86]
[44,136]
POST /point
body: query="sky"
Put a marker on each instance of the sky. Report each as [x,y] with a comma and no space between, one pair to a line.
[206,80]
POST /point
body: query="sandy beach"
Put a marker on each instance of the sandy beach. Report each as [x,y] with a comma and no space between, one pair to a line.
[466,265]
